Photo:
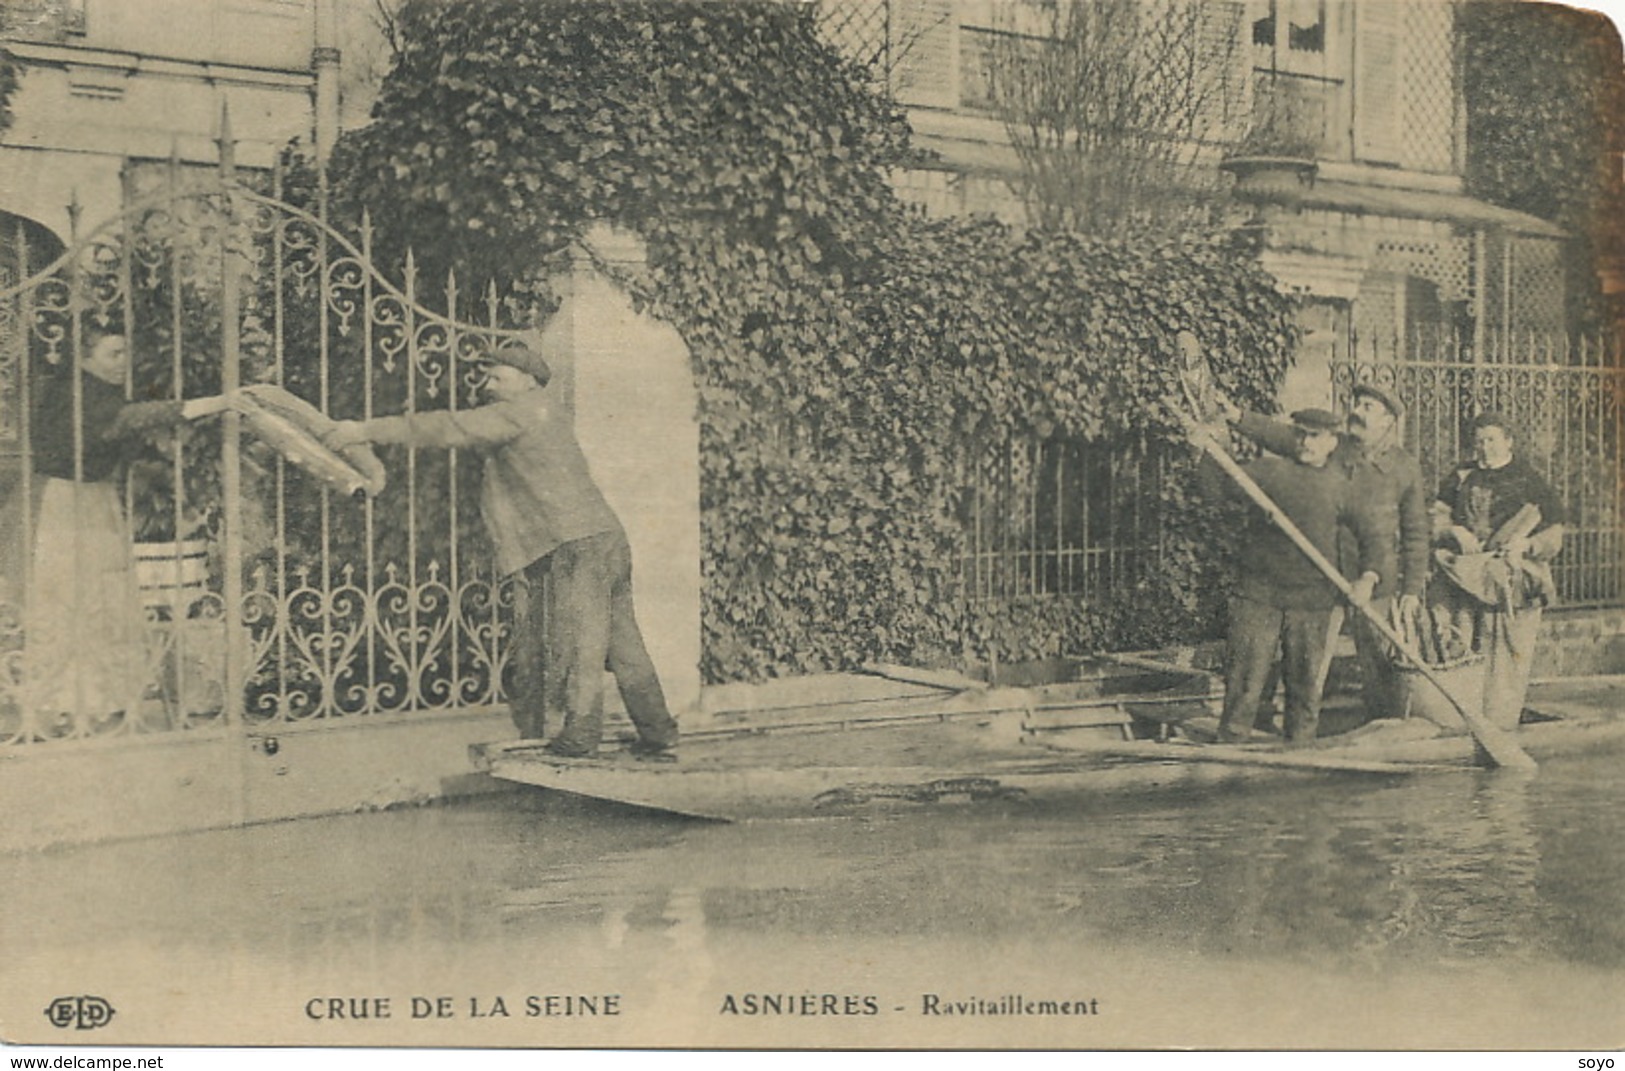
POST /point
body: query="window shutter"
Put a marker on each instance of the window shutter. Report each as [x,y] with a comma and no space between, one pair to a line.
[925,42]
[1378,82]
[1429,63]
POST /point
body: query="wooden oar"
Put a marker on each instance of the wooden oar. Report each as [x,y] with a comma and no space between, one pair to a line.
[1497,745]
[946,680]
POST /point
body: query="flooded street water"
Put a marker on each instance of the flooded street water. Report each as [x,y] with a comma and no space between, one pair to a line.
[1456,909]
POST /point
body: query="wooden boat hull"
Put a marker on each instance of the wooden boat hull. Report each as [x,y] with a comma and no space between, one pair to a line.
[988,751]
[769,793]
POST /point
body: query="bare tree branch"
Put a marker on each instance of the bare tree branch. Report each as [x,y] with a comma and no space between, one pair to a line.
[1109,106]
[386,16]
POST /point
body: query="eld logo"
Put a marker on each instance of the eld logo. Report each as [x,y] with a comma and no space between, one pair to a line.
[81,1013]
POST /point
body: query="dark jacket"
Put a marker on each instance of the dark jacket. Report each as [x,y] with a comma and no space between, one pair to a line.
[1387,485]
[537,492]
[1270,568]
[108,421]
[1482,500]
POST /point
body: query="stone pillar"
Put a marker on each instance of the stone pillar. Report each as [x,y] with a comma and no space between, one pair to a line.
[1323,266]
[325,59]
[628,380]
[324,62]
[1308,381]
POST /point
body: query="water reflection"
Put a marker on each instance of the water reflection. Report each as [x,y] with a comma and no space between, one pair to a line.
[1362,875]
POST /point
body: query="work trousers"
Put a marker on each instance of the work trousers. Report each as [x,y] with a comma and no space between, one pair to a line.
[1508,642]
[1381,691]
[1257,632]
[563,645]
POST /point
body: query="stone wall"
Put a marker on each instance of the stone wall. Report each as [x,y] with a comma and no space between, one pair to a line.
[183,782]
[1581,643]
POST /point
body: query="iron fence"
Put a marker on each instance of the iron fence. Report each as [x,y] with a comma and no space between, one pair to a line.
[1059,518]
[1563,397]
[1079,520]
[264,598]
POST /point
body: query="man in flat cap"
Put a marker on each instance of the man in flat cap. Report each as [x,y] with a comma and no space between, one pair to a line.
[548,520]
[1281,600]
[1387,484]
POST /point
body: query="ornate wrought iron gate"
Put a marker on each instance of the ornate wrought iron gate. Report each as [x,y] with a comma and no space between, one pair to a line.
[264,598]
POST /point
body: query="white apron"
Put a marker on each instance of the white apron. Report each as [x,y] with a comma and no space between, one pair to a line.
[85,658]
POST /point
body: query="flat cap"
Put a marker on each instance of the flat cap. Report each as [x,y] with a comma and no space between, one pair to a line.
[1383,395]
[523,357]
[1317,421]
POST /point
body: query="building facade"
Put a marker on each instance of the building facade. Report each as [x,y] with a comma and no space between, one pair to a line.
[105,83]
[1339,132]
[1341,125]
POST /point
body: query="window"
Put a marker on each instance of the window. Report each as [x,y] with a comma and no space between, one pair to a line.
[1059,518]
[1293,91]
[1291,36]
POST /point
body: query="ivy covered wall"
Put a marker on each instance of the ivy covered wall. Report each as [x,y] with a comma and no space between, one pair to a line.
[1544,92]
[845,350]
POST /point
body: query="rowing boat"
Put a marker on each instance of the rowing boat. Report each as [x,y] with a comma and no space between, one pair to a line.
[1134,727]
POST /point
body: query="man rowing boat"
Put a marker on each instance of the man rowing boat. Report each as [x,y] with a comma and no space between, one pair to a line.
[1281,599]
[1387,481]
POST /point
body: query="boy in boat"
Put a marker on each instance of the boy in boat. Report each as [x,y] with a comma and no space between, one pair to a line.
[1511,523]
[549,520]
[1281,600]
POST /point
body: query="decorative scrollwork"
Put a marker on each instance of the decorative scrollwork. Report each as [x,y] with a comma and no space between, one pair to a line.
[301,252]
[431,352]
[413,623]
[322,632]
[487,627]
[473,353]
[389,329]
[51,314]
[345,278]
[325,628]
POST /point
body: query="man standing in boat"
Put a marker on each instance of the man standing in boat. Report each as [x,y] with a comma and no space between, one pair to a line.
[1281,600]
[1388,484]
[549,520]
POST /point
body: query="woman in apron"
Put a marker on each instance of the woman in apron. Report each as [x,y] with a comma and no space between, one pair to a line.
[85,656]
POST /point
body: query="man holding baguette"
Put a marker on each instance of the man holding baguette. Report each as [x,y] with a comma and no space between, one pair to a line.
[550,522]
[1507,523]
